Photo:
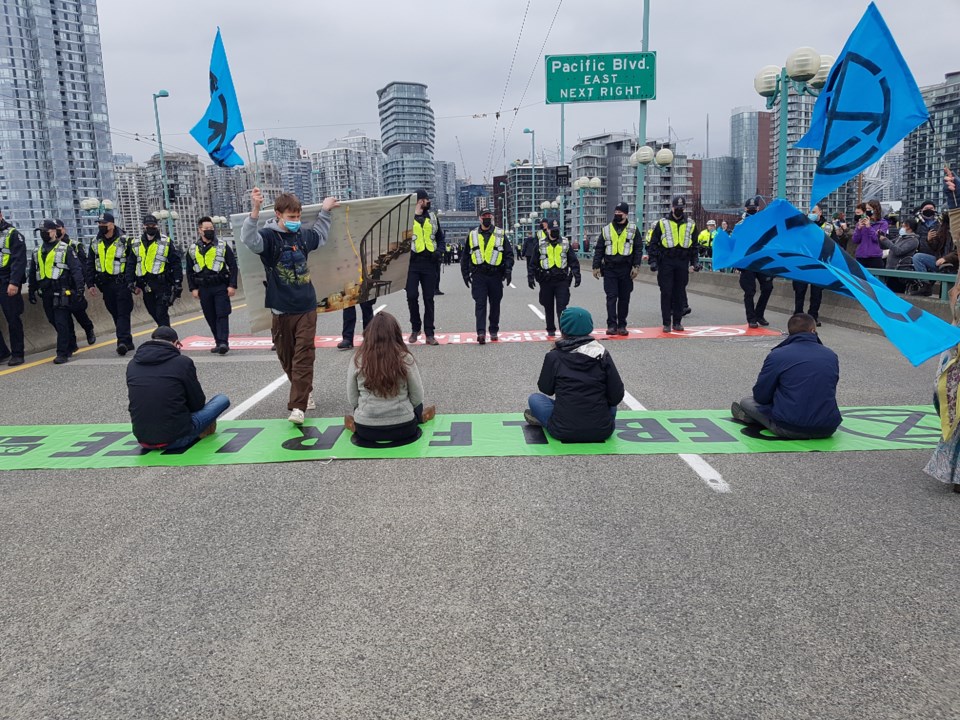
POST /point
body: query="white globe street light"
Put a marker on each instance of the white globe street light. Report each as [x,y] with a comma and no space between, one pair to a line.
[765,83]
[595,183]
[803,64]
[663,157]
[820,79]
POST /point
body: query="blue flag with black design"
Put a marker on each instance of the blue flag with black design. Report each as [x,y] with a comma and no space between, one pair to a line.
[222,121]
[782,242]
[869,104]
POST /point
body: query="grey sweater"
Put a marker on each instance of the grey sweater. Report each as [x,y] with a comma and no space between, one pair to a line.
[372,410]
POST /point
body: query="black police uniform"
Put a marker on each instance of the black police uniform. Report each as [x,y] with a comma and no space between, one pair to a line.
[159,290]
[816,292]
[211,282]
[13,271]
[424,274]
[350,322]
[672,265]
[554,281]
[78,307]
[486,280]
[617,283]
[115,287]
[57,293]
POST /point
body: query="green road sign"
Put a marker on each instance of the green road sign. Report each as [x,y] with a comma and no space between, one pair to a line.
[601,78]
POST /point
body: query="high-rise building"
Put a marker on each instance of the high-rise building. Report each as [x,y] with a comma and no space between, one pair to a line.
[891,172]
[922,161]
[54,131]
[719,189]
[750,149]
[445,186]
[407,129]
[661,184]
[229,189]
[469,193]
[521,202]
[122,159]
[293,162]
[131,203]
[348,168]
[801,162]
[188,193]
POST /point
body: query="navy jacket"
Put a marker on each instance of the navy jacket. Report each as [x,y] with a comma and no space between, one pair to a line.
[797,386]
[164,391]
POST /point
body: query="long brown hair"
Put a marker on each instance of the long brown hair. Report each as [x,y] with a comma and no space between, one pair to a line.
[383,356]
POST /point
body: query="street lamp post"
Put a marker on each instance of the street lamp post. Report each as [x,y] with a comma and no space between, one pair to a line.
[163,161]
[503,194]
[642,129]
[806,72]
[581,185]
[640,160]
[533,169]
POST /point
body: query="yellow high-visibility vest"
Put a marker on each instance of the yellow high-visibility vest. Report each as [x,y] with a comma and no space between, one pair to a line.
[53,265]
[153,257]
[674,234]
[619,243]
[424,234]
[212,258]
[554,256]
[5,252]
[492,253]
[111,260]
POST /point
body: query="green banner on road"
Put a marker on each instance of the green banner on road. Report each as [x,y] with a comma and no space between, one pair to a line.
[703,432]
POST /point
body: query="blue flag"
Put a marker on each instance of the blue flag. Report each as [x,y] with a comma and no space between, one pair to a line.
[782,242]
[222,121]
[869,104]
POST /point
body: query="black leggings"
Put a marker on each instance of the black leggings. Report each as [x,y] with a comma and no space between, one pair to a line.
[392,433]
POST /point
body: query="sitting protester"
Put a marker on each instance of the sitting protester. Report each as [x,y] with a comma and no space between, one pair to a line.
[795,396]
[167,404]
[384,387]
[900,252]
[584,381]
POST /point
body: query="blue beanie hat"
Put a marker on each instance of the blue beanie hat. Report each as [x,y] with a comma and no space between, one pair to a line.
[576,322]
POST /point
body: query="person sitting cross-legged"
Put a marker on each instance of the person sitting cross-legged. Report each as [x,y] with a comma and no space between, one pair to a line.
[167,404]
[795,396]
[584,381]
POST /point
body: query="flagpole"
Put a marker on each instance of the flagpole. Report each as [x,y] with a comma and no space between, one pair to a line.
[942,153]
[246,146]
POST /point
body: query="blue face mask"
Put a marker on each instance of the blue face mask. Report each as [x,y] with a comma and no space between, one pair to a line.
[812,217]
[903,231]
[292,225]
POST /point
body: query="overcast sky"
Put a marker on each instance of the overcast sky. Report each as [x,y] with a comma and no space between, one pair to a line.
[307,72]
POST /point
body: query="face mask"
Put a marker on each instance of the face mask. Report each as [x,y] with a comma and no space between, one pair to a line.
[928,213]
[210,234]
[59,234]
[812,217]
[869,213]
[292,225]
[903,231]
[485,222]
[751,211]
[619,219]
[101,229]
[677,213]
[151,232]
[555,233]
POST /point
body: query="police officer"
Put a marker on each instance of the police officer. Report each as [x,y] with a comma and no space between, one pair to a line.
[350,323]
[428,240]
[212,279]
[56,273]
[705,239]
[673,253]
[78,308]
[553,264]
[486,263]
[13,274]
[158,271]
[749,280]
[110,270]
[617,258]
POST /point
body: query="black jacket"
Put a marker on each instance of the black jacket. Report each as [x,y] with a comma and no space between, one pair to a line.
[504,269]
[656,250]
[634,259]
[172,273]
[101,280]
[15,273]
[535,272]
[227,275]
[71,280]
[163,390]
[582,376]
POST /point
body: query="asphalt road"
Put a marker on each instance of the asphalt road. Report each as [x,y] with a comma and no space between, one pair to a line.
[819,586]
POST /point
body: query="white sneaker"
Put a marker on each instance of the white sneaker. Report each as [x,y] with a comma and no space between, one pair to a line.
[311,405]
[296,416]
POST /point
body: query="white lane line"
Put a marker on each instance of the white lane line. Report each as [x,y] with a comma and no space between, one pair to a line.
[253,399]
[376,310]
[701,467]
[536,311]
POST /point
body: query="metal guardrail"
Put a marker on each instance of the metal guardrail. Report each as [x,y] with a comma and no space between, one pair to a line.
[946,280]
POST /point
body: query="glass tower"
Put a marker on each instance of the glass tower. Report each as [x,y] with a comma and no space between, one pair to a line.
[54,131]
[407,129]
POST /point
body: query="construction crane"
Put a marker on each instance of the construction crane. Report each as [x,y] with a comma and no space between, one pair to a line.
[463,163]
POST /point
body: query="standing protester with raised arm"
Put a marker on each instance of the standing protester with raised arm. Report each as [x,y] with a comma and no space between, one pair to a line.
[56,274]
[617,258]
[486,264]
[78,308]
[673,253]
[212,279]
[283,246]
[13,274]
[158,271]
[554,265]
[110,271]
[428,239]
